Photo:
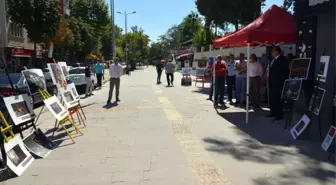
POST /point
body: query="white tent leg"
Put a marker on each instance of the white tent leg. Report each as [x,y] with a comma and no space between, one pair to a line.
[247,84]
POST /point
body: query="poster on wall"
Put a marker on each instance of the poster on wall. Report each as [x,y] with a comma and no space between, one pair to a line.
[18,157]
[57,75]
[291,89]
[329,139]
[298,129]
[35,80]
[323,68]
[56,108]
[300,68]
[18,109]
[316,100]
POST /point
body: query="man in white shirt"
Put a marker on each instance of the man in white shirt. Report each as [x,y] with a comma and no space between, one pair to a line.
[231,77]
[116,71]
[255,74]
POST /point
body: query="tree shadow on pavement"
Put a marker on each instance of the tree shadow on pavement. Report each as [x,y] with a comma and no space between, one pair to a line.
[266,142]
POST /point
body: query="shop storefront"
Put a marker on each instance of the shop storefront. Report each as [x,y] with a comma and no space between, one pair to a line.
[316,38]
[17,59]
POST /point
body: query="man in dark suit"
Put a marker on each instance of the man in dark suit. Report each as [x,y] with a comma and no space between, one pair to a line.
[278,73]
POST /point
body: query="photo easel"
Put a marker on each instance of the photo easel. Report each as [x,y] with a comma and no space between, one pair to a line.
[45,95]
[313,98]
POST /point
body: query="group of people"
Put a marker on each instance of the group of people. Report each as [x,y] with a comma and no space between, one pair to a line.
[170,68]
[98,69]
[234,74]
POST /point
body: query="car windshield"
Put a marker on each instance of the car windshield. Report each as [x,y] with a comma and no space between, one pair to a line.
[15,79]
[77,71]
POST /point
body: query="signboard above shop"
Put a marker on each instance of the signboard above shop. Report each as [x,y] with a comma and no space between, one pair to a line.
[20,52]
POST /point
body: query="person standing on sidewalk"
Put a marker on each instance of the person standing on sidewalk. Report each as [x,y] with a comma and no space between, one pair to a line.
[220,73]
[241,68]
[116,71]
[99,70]
[89,85]
[231,77]
[170,69]
[159,68]
[255,74]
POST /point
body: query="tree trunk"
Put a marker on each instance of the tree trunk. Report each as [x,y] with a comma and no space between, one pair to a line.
[236,26]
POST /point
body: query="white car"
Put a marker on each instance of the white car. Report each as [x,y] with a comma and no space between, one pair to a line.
[77,76]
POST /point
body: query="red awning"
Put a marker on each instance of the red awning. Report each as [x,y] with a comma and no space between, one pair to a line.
[164,60]
[186,55]
[275,26]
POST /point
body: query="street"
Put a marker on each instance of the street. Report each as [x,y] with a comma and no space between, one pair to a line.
[160,135]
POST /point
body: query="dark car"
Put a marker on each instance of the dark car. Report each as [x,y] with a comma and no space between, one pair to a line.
[21,87]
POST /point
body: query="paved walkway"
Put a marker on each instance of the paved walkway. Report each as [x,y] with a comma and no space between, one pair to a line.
[173,136]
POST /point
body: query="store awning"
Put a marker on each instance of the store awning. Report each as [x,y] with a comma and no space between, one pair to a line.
[275,26]
[186,55]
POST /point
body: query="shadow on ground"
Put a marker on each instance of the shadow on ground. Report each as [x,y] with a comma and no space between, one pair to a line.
[268,143]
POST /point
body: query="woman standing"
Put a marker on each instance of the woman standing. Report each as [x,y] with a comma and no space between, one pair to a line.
[255,74]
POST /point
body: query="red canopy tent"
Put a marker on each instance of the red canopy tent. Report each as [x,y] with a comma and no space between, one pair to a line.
[275,26]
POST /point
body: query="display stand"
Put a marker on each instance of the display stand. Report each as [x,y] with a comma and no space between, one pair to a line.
[45,95]
[317,82]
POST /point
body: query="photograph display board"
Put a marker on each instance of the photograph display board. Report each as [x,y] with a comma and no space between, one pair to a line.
[323,68]
[74,90]
[68,97]
[56,108]
[330,137]
[35,80]
[300,68]
[57,75]
[64,68]
[38,144]
[297,130]
[187,71]
[316,100]
[291,89]
[18,157]
[18,109]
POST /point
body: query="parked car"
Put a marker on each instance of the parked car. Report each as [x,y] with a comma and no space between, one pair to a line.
[21,87]
[77,76]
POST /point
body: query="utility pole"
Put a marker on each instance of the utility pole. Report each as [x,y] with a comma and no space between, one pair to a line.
[113,28]
[126,39]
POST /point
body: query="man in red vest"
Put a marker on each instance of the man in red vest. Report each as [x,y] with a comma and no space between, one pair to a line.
[220,73]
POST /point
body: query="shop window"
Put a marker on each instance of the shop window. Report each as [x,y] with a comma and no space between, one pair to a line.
[16,31]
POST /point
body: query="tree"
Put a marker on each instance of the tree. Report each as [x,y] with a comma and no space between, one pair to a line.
[238,12]
[287,4]
[106,41]
[41,18]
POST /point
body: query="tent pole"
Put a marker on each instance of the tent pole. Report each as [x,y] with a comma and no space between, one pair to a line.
[247,83]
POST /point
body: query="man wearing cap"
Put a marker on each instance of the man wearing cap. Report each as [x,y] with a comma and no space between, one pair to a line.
[278,73]
[220,73]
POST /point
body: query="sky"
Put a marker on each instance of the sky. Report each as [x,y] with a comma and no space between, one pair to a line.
[157,16]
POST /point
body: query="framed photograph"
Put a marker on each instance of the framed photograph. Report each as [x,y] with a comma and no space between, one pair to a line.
[68,97]
[35,145]
[297,130]
[323,68]
[330,137]
[56,108]
[18,157]
[74,90]
[57,75]
[291,89]
[64,68]
[316,100]
[300,68]
[35,80]
[18,109]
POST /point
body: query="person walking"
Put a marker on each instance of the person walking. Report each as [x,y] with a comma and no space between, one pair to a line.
[116,71]
[99,70]
[170,69]
[159,68]
[89,85]
[231,77]
[278,73]
[241,67]
[255,74]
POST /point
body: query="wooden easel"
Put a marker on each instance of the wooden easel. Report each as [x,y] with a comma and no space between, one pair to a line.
[45,95]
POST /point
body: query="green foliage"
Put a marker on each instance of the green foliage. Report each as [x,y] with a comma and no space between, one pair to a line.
[106,41]
[41,18]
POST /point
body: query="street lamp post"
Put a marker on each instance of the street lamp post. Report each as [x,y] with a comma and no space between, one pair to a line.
[113,28]
[126,43]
